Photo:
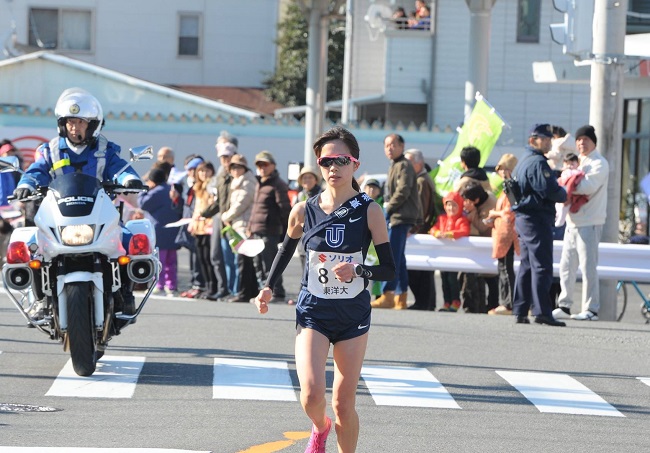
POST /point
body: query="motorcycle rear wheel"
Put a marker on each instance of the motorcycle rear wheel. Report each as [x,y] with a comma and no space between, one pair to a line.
[81,331]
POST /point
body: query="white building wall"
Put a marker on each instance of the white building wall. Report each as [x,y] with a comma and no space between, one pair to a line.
[408,66]
[511,88]
[140,38]
[368,55]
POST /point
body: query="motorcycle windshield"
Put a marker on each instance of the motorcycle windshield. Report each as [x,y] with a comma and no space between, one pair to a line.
[75,193]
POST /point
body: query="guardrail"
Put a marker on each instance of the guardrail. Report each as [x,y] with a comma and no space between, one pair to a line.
[474,254]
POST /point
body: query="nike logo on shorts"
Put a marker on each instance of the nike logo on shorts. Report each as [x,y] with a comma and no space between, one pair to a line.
[360,327]
[351,220]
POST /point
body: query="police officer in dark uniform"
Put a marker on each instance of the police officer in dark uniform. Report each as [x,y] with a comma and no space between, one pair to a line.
[534,219]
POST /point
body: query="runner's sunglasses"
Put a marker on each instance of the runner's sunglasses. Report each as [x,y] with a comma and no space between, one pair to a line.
[340,160]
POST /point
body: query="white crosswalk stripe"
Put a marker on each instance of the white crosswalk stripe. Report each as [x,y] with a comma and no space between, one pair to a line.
[116,377]
[558,393]
[270,380]
[252,380]
[402,386]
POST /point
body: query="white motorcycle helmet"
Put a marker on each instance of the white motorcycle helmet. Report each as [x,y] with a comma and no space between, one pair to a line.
[78,103]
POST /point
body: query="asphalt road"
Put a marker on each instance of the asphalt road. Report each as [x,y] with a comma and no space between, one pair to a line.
[172,404]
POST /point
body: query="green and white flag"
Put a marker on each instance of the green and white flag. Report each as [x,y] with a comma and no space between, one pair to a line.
[481,130]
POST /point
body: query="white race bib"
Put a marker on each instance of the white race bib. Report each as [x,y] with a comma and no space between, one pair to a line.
[323,283]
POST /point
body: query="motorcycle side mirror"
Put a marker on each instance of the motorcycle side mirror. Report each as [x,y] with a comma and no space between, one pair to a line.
[10,164]
[141,153]
[137,153]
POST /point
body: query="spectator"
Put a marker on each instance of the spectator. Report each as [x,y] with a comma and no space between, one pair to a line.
[470,159]
[477,204]
[165,166]
[242,195]
[8,181]
[269,218]
[184,238]
[403,211]
[584,230]
[423,19]
[419,4]
[505,242]
[534,216]
[422,283]
[569,179]
[562,144]
[451,225]
[163,210]
[400,19]
[10,150]
[309,180]
[373,189]
[201,227]
[222,256]
[166,154]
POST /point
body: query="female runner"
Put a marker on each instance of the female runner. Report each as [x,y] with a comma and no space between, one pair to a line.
[333,304]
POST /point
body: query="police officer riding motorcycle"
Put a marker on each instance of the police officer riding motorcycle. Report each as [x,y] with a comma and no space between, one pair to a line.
[72,275]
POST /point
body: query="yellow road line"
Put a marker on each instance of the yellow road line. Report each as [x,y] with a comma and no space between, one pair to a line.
[278,445]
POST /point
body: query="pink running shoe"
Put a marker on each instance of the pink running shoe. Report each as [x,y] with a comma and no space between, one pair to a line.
[317,440]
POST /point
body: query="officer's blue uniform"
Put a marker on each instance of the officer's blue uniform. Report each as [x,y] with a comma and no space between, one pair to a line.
[40,173]
[101,153]
[345,231]
[534,220]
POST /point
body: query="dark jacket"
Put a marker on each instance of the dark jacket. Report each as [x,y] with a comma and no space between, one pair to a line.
[538,185]
[427,192]
[223,189]
[270,214]
[403,206]
[159,205]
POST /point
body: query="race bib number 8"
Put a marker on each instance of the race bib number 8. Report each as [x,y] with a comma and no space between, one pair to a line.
[322,281]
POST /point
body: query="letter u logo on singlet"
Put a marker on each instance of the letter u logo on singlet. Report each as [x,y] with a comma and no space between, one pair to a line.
[334,235]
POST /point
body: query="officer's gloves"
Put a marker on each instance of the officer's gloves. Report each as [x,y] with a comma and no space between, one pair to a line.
[22,192]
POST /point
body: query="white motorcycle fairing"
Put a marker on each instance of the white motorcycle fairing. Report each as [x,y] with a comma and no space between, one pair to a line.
[103,219]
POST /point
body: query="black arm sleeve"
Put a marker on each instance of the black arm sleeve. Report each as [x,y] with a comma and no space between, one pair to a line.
[282,259]
[385,270]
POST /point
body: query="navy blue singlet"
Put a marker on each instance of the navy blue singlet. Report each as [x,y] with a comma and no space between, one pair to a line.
[338,310]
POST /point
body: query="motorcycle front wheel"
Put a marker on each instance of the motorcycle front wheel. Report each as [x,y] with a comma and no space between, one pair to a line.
[81,331]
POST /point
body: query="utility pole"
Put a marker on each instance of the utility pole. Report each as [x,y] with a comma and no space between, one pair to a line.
[479,51]
[347,64]
[318,15]
[606,115]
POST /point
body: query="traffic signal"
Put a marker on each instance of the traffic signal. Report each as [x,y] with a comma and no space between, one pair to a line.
[576,32]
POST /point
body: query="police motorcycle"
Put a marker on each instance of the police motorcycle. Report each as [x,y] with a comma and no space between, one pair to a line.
[70,276]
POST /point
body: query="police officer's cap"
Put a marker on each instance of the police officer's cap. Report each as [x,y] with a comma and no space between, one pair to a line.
[541,130]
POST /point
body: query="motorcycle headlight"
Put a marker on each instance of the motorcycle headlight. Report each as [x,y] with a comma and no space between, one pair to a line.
[77,234]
